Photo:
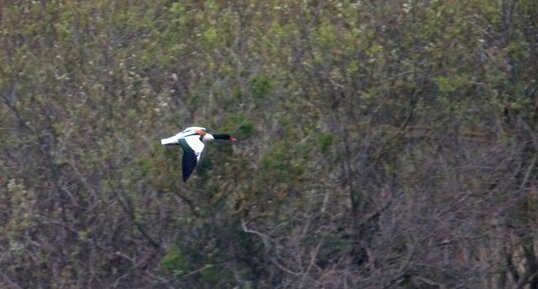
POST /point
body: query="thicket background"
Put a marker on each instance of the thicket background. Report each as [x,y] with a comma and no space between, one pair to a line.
[382,144]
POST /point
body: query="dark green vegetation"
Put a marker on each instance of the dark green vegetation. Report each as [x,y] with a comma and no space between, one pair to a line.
[382,144]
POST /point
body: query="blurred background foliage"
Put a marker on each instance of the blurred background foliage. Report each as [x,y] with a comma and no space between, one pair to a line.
[382,144]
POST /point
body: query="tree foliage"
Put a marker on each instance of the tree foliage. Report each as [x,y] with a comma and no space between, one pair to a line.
[382,144]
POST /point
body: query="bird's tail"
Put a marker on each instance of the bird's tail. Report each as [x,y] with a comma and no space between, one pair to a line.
[169,141]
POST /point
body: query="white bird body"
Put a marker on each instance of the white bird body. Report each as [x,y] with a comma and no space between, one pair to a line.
[182,134]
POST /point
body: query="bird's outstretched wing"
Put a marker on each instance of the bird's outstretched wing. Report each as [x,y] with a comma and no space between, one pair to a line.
[192,149]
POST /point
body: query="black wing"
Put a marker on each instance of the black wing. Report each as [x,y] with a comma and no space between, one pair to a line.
[189,160]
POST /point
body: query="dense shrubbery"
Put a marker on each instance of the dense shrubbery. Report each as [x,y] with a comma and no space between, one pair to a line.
[383,144]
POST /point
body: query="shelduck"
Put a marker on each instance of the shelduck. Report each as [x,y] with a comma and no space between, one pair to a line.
[192,140]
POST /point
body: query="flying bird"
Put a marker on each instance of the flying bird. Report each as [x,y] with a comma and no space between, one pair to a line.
[192,140]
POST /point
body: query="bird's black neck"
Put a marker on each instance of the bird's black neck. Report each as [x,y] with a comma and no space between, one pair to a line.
[223,136]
